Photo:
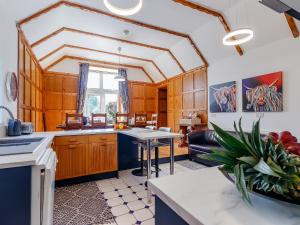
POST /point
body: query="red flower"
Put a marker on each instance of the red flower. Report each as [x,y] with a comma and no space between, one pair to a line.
[289,142]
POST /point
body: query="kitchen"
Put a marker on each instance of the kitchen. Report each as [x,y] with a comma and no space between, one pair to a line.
[109,110]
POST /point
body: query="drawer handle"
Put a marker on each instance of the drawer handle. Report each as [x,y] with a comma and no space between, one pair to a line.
[72,140]
[72,146]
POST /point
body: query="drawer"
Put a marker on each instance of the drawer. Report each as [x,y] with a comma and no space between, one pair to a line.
[102,138]
[71,140]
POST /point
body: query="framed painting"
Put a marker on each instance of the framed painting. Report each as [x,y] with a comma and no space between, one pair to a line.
[222,97]
[263,93]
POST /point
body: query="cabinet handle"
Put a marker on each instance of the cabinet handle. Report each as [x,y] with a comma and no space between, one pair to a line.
[73,140]
[72,146]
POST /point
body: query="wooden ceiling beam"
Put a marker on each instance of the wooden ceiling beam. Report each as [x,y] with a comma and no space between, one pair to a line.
[120,18]
[110,38]
[210,12]
[104,52]
[291,22]
[98,62]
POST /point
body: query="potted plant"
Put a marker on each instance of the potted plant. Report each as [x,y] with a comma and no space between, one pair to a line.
[267,165]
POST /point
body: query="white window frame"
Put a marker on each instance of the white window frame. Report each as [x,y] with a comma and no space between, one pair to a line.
[99,92]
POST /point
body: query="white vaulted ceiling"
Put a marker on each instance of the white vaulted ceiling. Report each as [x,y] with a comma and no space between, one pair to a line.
[205,30]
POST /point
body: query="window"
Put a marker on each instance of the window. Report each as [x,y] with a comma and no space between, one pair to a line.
[102,93]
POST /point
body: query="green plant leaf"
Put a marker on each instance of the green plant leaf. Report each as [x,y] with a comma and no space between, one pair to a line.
[264,168]
[237,146]
[219,156]
[240,182]
[248,159]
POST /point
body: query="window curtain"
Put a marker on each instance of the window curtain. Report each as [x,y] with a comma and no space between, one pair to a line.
[82,86]
[123,91]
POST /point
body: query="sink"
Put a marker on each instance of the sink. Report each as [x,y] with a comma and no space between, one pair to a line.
[14,144]
[18,145]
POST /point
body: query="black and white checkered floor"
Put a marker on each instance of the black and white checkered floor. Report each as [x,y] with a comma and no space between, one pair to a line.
[113,201]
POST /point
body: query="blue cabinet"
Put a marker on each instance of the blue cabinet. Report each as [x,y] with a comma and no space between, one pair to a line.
[15,196]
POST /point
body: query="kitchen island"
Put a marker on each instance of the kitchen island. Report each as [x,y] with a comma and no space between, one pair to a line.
[206,197]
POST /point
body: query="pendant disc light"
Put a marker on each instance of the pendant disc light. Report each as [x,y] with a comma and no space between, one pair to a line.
[232,37]
[123,12]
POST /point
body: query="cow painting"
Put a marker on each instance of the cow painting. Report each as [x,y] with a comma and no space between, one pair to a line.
[223,97]
[263,93]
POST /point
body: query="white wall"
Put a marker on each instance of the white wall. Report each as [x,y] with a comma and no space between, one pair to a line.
[8,61]
[283,56]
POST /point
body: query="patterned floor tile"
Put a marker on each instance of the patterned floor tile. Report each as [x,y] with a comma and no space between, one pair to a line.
[130,198]
[142,194]
[120,186]
[149,222]
[120,210]
[107,189]
[112,201]
[115,201]
[143,214]
[112,194]
[127,219]
[126,191]
[136,205]
[138,188]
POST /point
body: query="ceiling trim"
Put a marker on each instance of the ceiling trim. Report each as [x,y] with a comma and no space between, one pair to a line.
[97,62]
[105,52]
[123,19]
[292,25]
[211,12]
[40,41]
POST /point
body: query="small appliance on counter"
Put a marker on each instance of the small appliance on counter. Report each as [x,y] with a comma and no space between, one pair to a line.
[14,127]
[27,128]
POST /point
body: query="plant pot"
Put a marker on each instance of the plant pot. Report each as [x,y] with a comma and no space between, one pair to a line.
[270,195]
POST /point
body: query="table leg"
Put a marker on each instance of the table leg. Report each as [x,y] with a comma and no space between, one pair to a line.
[171,156]
[149,168]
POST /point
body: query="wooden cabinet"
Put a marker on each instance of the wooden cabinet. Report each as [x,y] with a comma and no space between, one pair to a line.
[71,160]
[102,157]
[86,155]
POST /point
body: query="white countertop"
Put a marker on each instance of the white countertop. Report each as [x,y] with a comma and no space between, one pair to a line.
[206,197]
[139,133]
[32,158]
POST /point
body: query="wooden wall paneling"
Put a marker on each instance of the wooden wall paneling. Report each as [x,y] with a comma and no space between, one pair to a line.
[21,57]
[27,115]
[53,83]
[21,90]
[53,101]
[70,84]
[27,63]
[188,82]
[53,118]
[69,101]
[200,80]
[200,100]
[60,95]
[29,90]
[27,93]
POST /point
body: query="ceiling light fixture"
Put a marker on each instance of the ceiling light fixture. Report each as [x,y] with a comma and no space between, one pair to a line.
[123,12]
[119,77]
[232,37]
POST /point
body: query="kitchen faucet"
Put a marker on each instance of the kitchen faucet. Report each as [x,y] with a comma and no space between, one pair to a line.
[9,112]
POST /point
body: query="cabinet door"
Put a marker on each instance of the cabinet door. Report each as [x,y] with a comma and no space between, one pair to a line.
[102,157]
[71,161]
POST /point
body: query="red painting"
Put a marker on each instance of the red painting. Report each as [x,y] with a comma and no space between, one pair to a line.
[263,93]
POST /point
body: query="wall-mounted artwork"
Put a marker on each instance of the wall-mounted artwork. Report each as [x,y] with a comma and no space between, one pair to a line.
[263,93]
[222,97]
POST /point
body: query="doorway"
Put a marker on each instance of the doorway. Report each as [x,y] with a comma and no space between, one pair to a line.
[163,107]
